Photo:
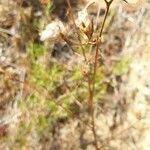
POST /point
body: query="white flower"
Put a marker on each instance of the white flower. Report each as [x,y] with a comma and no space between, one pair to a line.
[52,30]
[83,17]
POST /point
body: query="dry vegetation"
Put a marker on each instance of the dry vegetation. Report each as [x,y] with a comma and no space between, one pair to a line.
[74,75]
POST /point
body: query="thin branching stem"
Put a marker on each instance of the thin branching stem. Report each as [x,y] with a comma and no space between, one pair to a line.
[81,45]
[98,43]
[91,80]
[108,3]
[91,97]
[91,92]
[98,47]
[78,34]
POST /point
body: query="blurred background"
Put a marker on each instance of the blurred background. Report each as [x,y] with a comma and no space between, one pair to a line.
[43,90]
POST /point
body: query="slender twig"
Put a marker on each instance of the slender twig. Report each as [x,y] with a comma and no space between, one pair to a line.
[91,95]
[91,92]
[78,34]
[108,3]
[97,47]
[98,44]
[91,79]
[83,51]
[88,77]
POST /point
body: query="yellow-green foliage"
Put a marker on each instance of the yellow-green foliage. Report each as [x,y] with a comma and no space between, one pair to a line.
[49,7]
[121,67]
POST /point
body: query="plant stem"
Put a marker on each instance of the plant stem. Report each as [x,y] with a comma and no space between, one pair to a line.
[98,44]
[91,92]
[108,3]
[78,34]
